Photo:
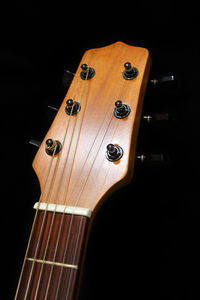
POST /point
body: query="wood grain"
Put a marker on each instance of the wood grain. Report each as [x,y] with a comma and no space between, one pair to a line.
[80,174]
[55,282]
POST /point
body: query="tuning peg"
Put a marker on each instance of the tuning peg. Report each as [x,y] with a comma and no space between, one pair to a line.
[35,143]
[162,80]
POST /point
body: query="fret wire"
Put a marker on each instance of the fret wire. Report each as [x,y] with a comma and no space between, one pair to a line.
[53,263]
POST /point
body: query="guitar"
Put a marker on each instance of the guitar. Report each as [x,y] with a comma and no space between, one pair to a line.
[88,152]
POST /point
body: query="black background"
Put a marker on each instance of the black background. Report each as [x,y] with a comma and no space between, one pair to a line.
[151,247]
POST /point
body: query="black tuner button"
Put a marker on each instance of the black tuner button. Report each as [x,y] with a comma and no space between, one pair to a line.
[129,72]
[87,72]
[114,152]
[52,147]
[121,110]
[72,107]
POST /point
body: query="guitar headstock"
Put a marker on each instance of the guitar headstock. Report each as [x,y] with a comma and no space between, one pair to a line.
[89,149]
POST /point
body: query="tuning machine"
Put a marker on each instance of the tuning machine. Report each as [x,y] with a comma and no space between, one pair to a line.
[87,72]
[52,147]
[121,110]
[72,107]
[114,152]
[129,72]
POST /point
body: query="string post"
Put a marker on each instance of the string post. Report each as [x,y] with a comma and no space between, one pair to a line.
[52,147]
[72,107]
[114,152]
[87,72]
[121,110]
[129,72]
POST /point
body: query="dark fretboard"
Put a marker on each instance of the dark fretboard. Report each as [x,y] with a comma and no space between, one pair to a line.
[53,260]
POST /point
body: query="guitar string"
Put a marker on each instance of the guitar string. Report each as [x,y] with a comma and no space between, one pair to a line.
[65,252]
[57,242]
[73,262]
[34,222]
[79,229]
[41,229]
[121,87]
[108,113]
[42,225]
[41,195]
[51,225]
[76,247]
[62,218]
[66,247]
[82,216]
[76,205]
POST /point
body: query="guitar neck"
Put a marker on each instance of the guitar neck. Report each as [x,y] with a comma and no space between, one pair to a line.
[53,260]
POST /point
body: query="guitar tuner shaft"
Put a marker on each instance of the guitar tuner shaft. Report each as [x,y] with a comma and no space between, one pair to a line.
[121,110]
[129,72]
[72,107]
[114,152]
[87,72]
[52,147]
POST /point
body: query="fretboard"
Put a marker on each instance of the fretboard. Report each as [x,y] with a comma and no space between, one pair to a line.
[53,259]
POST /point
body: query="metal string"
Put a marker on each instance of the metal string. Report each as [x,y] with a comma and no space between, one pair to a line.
[75,205]
[58,285]
[51,226]
[34,221]
[45,183]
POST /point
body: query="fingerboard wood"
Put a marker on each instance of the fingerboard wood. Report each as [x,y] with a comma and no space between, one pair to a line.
[53,260]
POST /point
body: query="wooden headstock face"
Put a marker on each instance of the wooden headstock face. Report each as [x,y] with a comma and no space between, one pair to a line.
[83,172]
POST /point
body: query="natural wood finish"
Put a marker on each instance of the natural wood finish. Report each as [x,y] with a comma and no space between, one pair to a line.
[81,175]
[53,282]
